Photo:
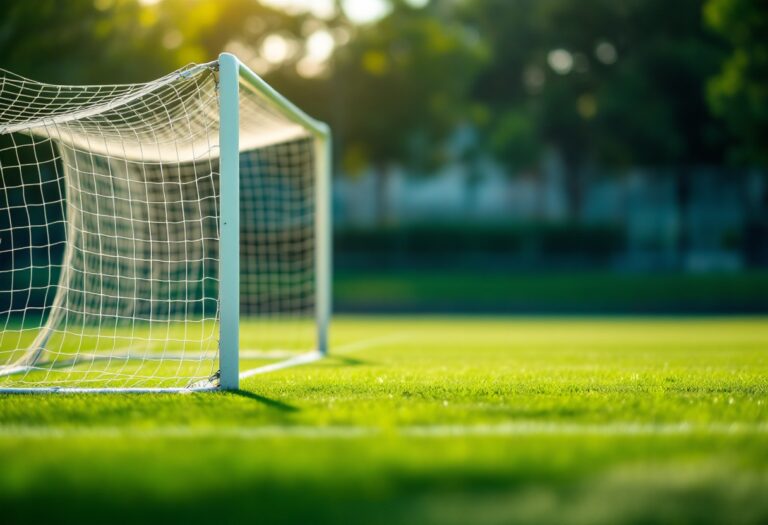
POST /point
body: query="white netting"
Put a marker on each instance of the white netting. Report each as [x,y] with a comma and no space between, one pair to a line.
[109,243]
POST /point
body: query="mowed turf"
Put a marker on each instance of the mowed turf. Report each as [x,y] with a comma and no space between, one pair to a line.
[423,420]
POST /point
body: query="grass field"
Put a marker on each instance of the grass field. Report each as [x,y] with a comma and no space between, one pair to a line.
[424,420]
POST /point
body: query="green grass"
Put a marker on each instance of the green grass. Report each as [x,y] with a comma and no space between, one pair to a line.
[424,420]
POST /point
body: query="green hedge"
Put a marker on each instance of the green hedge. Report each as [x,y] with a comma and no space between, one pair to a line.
[550,292]
[551,245]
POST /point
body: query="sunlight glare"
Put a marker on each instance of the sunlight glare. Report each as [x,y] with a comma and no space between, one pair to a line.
[324,9]
[320,45]
[275,49]
[560,60]
[366,11]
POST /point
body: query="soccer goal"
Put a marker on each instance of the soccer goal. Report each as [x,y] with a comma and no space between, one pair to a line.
[166,236]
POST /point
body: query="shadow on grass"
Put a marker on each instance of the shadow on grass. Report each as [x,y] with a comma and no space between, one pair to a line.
[271,403]
[439,498]
[338,360]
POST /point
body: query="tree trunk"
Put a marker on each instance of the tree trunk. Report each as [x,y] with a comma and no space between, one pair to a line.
[540,181]
[755,229]
[471,186]
[574,191]
[383,211]
[682,203]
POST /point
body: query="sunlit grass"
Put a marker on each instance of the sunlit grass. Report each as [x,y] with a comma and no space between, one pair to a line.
[419,420]
[142,354]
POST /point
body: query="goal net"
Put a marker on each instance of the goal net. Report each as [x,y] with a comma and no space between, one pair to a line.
[113,203]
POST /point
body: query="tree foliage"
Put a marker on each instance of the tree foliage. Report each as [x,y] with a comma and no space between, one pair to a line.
[739,92]
[404,83]
[81,41]
[619,83]
[600,81]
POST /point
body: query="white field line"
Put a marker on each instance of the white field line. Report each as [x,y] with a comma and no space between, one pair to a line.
[294,361]
[510,430]
[313,356]
[247,354]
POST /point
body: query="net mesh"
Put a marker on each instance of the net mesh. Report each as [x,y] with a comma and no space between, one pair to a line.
[109,232]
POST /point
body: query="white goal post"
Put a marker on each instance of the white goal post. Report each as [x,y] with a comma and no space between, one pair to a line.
[167,236]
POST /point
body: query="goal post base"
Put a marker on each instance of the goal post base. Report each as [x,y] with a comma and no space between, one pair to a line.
[78,390]
[297,360]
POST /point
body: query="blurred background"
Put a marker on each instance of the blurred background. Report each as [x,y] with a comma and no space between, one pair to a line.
[509,156]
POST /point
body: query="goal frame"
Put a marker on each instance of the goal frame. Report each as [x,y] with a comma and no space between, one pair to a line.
[233,76]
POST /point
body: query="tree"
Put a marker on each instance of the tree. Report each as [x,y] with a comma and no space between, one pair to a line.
[81,41]
[609,83]
[739,91]
[739,94]
[404,83]
[108,41]
[653,109]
